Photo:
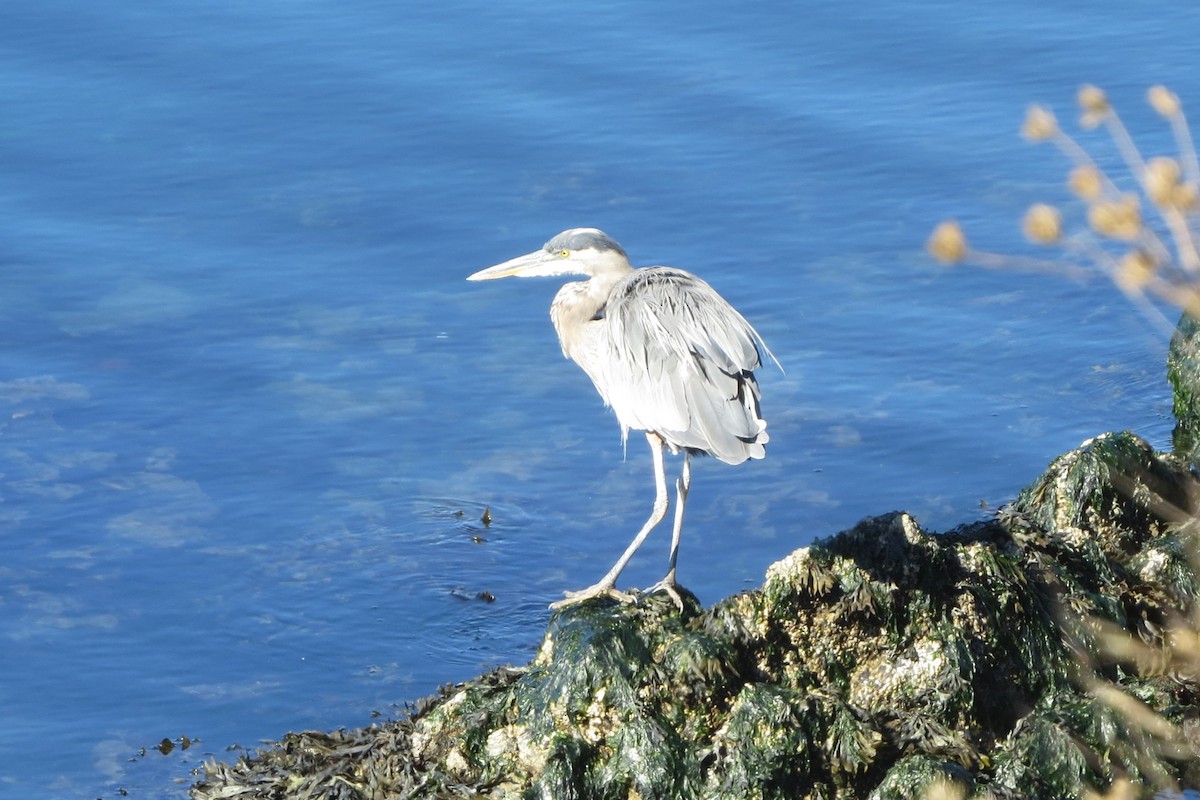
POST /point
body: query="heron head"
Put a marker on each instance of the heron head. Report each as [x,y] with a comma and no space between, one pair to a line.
[578,251]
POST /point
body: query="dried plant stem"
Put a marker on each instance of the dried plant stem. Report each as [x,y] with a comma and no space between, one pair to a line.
[1129,150]
[1074,151]
[1136,713]
[1135,295]
[1187,149]
[1153,244]
[999,261]
[1184,297]
[1186,249]
[1152,263]
[1188,257]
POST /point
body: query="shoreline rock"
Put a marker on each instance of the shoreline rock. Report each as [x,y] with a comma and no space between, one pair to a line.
[876,663]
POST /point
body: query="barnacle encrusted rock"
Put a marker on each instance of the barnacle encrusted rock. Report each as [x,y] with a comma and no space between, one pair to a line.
[885,662]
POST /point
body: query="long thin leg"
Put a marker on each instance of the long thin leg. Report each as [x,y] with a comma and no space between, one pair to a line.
[681,492]
[607,584]
[668,584]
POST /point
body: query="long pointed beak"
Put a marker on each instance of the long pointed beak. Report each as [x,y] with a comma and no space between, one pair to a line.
[522,266]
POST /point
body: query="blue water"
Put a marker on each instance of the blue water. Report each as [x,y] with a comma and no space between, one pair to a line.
[251,413]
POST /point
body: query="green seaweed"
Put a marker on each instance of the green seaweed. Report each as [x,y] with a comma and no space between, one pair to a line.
[879,662]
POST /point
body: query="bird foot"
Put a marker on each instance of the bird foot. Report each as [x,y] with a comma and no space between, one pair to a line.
[598,590]
[669,586]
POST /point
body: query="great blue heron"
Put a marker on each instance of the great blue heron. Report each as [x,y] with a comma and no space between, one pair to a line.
[670,356]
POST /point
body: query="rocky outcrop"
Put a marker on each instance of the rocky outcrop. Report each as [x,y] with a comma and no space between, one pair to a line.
[1010,658]
[1183,371]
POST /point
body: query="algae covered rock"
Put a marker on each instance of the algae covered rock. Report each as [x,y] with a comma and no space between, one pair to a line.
[884,662]
[1183,371]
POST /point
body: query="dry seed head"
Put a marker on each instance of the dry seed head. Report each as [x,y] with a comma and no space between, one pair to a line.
[1134,271]
[1117,219]
[1086,182]
[1162,179]
[1039,124]
[1094,104]
[948,243]
[1042,224]
[1164,101]
[1093,99]
[1184,198]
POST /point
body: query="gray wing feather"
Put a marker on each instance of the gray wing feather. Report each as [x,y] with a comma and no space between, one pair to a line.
[681,363]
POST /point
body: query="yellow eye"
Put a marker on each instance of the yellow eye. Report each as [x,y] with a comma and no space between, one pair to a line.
[564,253]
